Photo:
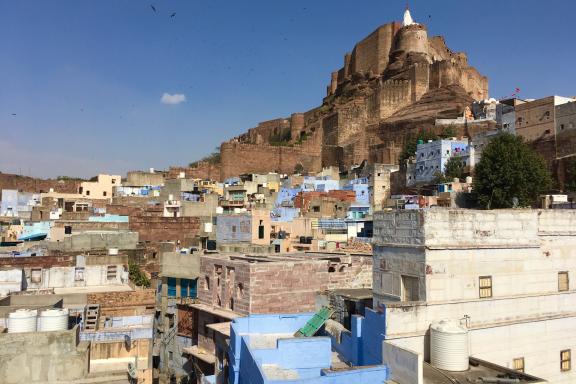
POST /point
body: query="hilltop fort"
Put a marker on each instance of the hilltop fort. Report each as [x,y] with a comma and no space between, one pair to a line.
[394,83]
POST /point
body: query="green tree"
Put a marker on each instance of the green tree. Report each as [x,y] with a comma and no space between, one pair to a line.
[454,168]
[137,276]
[509,170]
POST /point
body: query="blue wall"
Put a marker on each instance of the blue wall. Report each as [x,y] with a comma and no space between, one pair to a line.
[308,356]
[242,225]
[363,344]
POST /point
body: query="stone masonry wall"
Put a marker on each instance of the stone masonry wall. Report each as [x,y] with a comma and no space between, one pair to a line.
[287,287]
[153,228]
[239,158]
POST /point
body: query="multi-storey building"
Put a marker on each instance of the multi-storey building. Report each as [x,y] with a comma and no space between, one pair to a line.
[505,274]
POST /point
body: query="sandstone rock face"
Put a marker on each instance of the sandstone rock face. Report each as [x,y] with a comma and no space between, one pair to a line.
[395,82]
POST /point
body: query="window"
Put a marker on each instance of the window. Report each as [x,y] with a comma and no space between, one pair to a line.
[233,229]
[113,181]
[79,274]
[87,193]
[206,283]
[80,189]
[565,360]
[170,355]
[240,291]
[111,272]
[561,127]
[518,364]
[410,288]
[36,275]
[67,229]
[563,281]
[485,287]
[104,193]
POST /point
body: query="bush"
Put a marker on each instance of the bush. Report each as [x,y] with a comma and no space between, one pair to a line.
[137,276]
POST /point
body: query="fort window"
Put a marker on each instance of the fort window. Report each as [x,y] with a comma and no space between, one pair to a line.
[518,364]
[563,281]
[104,193]
[87,193]
[561,127]
[565,360]
[240,291]
[485,287]
[206,283]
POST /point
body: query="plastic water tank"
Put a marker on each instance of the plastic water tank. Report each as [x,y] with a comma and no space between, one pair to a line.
[53,320]
[22,320]
[449,345]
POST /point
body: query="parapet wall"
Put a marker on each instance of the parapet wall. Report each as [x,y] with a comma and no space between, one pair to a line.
[458,228]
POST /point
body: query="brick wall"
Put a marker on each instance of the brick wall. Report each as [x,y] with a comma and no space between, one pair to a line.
[138,302]
[153,228]
[287,287]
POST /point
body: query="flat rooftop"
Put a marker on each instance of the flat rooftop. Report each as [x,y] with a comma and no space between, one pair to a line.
[93,289]
[477,368]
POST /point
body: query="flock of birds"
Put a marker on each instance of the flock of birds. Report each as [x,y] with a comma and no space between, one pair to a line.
[154,9]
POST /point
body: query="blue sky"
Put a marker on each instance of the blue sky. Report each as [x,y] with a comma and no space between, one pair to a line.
[81,82]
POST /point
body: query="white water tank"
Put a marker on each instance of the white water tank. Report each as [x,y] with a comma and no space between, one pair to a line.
[53,320]
[449,345]
[22,320]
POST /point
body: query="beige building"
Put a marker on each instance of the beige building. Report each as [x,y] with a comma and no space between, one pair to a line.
[505,274]
[100,189]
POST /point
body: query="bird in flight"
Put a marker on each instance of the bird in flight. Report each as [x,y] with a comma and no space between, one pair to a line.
[153,7]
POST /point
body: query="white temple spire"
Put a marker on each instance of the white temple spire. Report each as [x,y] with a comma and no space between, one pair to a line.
[407,18]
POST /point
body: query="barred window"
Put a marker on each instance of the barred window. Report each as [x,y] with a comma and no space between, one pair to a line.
[519,364]
[565,360]
[485,287]
[563,281]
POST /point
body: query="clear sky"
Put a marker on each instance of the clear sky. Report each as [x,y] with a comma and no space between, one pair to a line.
[82,82]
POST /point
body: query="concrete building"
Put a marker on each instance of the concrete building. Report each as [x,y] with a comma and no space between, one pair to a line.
[536,123]
[102,188]
[251,227]
[179,273]
[505,274]
[263,349]
[233,286]
[18,204]
[565,129]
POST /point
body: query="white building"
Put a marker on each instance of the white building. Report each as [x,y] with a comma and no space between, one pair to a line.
[503,273]
[431,159]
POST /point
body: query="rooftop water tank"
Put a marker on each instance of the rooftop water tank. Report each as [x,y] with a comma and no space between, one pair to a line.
[22,320]
[449,345]
[53,320]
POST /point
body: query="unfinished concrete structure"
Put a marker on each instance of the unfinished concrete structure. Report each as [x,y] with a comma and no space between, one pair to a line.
[505,274]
